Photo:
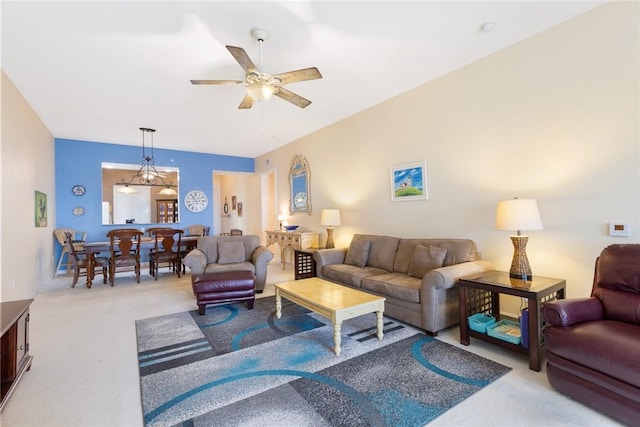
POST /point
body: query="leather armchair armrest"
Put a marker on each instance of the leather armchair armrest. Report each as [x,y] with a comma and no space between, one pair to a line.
[569,312]
[196,260]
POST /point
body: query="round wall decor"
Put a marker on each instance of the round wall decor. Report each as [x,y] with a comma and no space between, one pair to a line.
[78,211]
[78,190]
[196,201]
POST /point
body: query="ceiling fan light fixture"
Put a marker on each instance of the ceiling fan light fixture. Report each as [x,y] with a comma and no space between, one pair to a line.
[260,91]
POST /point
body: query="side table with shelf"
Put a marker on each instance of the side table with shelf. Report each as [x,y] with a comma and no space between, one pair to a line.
[480,293]
[304,264]
[15,359]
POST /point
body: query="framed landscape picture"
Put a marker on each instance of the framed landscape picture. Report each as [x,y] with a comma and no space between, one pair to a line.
[409,182]
[41,209]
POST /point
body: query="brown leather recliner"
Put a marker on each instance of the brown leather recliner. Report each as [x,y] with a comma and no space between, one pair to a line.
[593,344]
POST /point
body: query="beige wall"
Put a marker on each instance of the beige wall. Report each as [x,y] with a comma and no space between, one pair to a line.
[246,188]
[26,257]
[555,118]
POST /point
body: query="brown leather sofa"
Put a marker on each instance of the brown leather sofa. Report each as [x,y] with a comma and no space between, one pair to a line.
[593,344]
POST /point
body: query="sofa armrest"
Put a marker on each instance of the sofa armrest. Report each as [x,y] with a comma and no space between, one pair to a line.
[260,259]
[324,257]
[261,255]
[196,260]
[447,277]
[567,312]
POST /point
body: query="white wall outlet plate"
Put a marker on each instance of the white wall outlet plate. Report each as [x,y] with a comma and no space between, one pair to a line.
[619,229]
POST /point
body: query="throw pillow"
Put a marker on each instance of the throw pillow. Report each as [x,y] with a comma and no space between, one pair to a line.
[358,253]
[230,252]
[425,259]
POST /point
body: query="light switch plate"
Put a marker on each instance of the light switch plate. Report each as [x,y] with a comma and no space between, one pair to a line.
[619,229]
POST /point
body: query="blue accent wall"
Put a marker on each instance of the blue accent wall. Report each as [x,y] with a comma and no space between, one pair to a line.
[80,162]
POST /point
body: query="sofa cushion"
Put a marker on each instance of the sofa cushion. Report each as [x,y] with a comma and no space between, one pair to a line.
[396,285]
[458,251]
[240,266]
[349,274]
[382,250]
[425,259]
[358,253]
[230,252]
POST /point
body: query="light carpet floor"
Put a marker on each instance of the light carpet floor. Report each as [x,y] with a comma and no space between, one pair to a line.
[85,370]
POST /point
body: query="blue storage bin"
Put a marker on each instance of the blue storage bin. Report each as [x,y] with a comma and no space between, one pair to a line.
[479,322]
[506,330]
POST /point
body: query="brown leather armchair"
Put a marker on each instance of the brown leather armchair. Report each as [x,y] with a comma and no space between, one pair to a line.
[593,344]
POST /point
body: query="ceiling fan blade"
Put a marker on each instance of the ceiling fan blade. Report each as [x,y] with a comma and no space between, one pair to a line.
[293,98]
[241,56]
[311,73]
[216,82]
[246,103]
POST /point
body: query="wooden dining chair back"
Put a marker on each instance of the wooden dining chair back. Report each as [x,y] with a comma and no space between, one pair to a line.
[80,260]
[124,244]
[152,229]
[78,238]
[198,230]
[236,232]
[166,250]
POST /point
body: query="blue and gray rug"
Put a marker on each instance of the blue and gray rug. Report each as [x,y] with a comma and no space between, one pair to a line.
[239,367]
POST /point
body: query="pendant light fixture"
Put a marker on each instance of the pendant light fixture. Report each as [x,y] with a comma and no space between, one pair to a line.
[147,173]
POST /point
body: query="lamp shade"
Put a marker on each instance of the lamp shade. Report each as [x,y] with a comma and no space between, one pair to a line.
[168,191]
[518,214]
[126,189]
[330,217]
[282,217]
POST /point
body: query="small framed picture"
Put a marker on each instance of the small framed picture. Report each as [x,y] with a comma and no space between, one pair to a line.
[41,209]
[409,182]
[233,203]
[239,208]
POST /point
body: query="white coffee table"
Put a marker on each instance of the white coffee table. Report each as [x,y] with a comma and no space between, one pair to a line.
[332,301]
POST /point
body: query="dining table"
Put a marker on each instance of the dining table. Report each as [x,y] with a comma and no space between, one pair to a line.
[93,248]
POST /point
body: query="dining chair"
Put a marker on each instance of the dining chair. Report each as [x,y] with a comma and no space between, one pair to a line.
[198,230]
[236,232]
[80,260]
[78,238]
[152,229]
[124,244]
[166,250]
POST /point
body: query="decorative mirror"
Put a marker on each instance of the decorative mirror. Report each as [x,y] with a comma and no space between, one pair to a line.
[299,178]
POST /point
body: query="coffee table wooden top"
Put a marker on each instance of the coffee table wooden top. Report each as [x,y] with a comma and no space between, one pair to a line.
[327,294]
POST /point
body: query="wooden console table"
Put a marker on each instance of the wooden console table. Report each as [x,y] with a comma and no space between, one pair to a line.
[15,359]
[292,240]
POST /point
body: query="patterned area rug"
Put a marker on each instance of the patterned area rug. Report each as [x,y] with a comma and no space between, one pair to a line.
[239,367]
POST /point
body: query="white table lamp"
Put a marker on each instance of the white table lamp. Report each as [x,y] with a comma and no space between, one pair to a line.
[519,214]
[330,218]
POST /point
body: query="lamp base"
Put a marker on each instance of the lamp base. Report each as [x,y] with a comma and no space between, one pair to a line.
[520,268]
[330,244]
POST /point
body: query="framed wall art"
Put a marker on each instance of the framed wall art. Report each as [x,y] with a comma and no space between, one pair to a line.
[41,209]
[409,182]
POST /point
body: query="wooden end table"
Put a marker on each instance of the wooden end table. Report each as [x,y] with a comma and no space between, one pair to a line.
[480,293]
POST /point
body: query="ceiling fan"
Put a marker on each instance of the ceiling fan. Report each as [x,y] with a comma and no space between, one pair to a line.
[260,85]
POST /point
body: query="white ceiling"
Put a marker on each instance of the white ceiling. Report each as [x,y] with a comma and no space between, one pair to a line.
[99,71]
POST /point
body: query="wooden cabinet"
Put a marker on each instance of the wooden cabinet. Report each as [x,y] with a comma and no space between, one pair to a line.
[167,211]
[292,240]
[15,359]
